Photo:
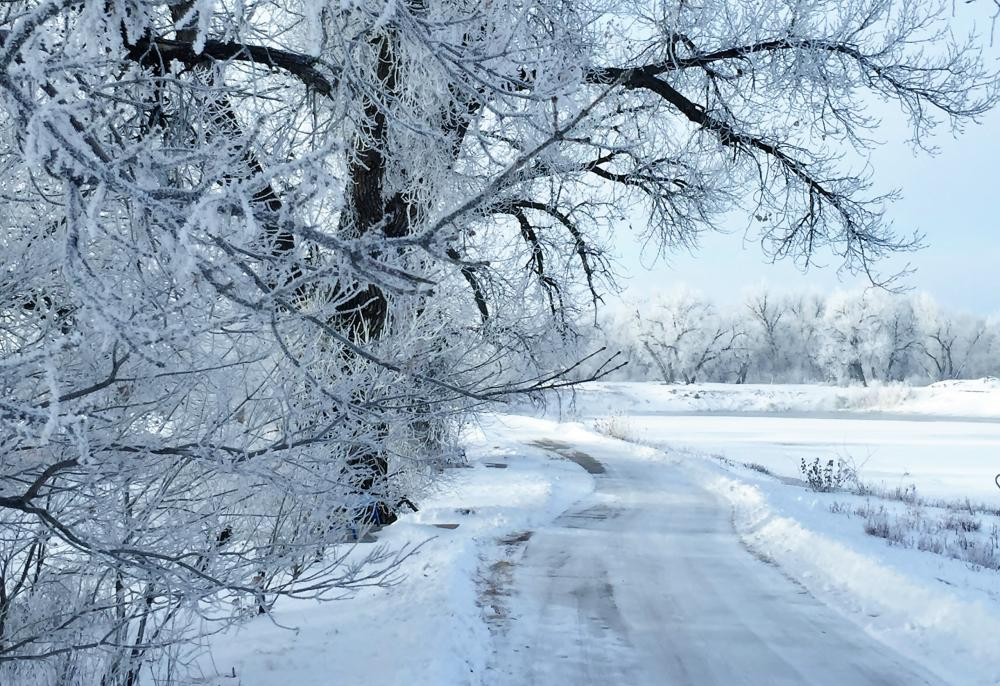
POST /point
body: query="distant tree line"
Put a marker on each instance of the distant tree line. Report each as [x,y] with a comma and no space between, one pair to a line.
[855,337]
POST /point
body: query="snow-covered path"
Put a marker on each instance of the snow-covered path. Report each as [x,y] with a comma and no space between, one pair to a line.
[646,582]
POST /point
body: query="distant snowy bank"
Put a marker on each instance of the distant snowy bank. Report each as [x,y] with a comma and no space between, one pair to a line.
[963,398]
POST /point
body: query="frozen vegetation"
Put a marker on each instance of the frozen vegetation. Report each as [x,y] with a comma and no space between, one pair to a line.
[263,263]
[853,337]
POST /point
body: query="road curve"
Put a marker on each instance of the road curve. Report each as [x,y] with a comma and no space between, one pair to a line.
[645,582]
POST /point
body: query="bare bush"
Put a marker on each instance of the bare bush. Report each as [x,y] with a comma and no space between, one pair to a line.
[831,476]
[616,426]
[943,531]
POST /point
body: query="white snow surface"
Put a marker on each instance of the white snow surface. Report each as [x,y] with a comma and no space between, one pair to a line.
[938,611]
[976,398]
[881,607]
[427,630]
[944,439]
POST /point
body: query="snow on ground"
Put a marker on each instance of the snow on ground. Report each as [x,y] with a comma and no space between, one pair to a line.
[933,438]
[939,610]
[429,628]
[910,593]
[978,398]
[941,459]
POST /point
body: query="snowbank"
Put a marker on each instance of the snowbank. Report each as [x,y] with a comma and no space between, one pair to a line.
[975,398]
[929,609]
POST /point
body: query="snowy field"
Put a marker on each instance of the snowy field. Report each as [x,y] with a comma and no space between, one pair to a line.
[906,558]
[978,398]
[943,439]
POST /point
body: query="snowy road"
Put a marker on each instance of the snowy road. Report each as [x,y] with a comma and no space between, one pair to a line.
[645,582]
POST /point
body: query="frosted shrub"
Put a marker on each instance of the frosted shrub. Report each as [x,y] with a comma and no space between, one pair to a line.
[878,523]
[942,529]
[616,426]
[831,476]
[961,522]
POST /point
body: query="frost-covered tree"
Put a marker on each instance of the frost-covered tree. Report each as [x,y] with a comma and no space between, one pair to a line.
[895,339]
[683,336]
[950,342]
[870,336]
[804,322]
[259,255]
[619,327]
[847,337]
[766,327]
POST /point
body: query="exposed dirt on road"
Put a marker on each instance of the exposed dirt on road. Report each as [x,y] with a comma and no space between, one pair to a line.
[588,462]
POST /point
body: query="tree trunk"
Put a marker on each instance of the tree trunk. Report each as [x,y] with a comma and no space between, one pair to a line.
[856,372]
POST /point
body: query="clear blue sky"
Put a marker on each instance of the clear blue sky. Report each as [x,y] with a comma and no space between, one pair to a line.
[953,198]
